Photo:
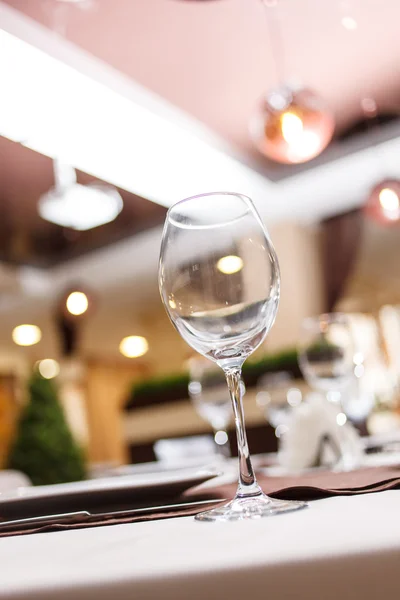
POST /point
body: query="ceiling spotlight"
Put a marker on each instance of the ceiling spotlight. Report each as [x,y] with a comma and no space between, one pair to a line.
[48,368]
[26,335]
[79,207]
[134,346]
[77,303]
[384,202]
[230,264]
[293,125]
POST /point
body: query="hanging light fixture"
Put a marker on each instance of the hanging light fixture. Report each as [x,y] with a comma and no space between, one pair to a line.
[383,204]
[80,207]
[292,124]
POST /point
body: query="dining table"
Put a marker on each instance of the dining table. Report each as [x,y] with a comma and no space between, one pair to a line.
[339,547]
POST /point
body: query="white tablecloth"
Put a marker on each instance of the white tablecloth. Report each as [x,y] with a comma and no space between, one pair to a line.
[338,548]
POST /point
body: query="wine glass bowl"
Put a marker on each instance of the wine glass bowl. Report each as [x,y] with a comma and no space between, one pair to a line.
[326,351]
[219,282]
[212,307]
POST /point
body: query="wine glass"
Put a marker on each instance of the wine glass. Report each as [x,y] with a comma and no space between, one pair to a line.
[210,398]
[219,282]
[276,398]
[326,358]
[326,353]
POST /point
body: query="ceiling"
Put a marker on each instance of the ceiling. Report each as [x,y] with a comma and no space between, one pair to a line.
[26,239]
[209,63]
[213,61]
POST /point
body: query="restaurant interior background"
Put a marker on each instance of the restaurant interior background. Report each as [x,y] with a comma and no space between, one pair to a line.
[163,99]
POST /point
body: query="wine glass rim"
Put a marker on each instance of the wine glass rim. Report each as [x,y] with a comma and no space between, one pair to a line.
[246,207]
[205,194]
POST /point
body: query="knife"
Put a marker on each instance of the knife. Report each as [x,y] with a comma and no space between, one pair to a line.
[84,515]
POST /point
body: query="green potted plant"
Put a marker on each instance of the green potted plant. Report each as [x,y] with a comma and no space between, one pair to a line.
[44,448]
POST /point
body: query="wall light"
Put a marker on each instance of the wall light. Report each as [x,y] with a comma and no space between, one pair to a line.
[77,303]
[133,346]
[26,335]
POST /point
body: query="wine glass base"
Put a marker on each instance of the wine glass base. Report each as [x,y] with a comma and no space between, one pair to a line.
[253,507]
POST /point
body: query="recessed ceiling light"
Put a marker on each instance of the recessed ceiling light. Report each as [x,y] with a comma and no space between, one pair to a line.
[134,346]
[26,335]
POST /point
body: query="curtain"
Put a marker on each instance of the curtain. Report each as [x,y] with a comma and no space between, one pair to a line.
[341,239]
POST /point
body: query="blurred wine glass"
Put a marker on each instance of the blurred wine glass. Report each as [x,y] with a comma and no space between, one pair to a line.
[326,353]
[276,397]
[210,398]
[326,357]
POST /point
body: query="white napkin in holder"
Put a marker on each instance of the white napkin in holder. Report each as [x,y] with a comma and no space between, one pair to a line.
[314,438]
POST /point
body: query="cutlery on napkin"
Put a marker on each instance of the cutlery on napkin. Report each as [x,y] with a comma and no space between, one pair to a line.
[86,519]
[307,486]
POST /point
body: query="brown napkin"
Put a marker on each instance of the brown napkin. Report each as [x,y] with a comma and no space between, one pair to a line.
[320,484]
[310,486]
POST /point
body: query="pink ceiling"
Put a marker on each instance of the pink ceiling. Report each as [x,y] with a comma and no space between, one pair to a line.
[214,60]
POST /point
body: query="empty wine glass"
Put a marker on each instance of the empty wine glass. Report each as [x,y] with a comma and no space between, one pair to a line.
[326,358]
[210,398]
[326,353]
[277,398]
[219,282]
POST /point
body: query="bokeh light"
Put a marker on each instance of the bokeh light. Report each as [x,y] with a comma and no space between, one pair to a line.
[383,204]
[230,264]
[77,303]
[133,346]
[221,437]
[26,335]
[48,368]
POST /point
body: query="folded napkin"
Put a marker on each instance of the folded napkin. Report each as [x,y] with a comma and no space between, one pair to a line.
[309,486]
[315,438]
[320,484]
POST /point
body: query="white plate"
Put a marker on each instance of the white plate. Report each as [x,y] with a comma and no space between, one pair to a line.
[101,494]
[176,466]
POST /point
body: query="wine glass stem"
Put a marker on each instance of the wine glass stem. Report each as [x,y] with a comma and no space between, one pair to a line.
[248,485]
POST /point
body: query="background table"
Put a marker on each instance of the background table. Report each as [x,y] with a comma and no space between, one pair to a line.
[344,547]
